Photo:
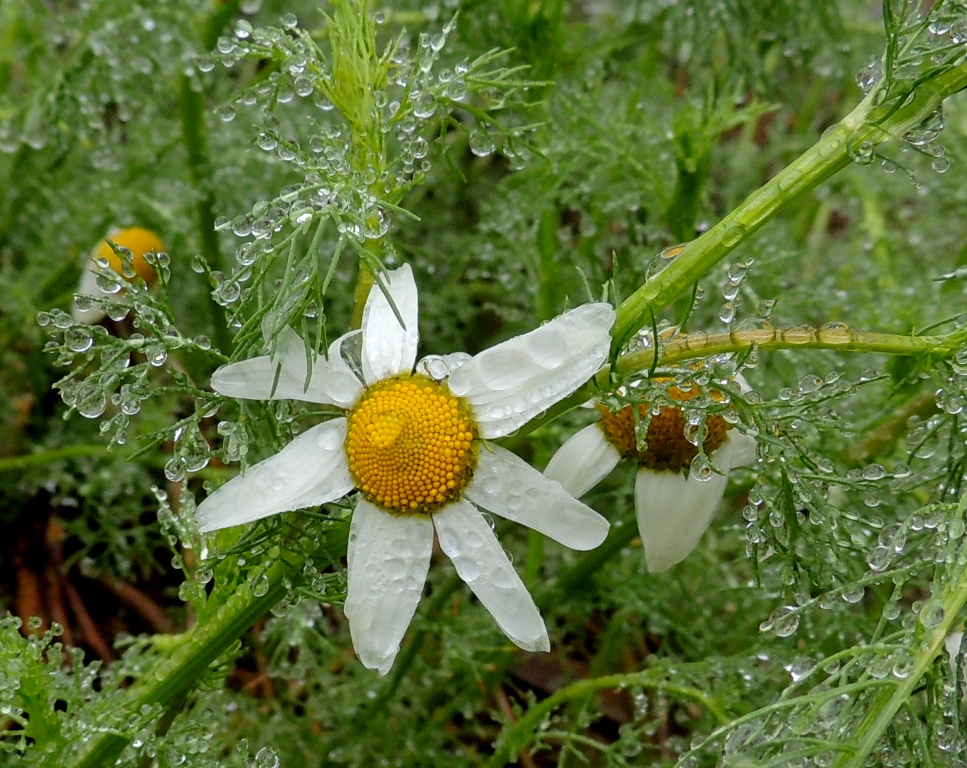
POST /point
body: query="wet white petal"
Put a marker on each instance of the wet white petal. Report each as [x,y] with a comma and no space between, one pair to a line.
[952,643]
[310,470]
[482,563]
[511,383]
[673,512]
[583,461]
[331,382]
[508,486]
[743,448]
[388,347]
[88,286]
[389,556]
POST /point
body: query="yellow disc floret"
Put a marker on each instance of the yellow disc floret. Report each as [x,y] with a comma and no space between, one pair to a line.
[139,241]
[410,445]
[666,446]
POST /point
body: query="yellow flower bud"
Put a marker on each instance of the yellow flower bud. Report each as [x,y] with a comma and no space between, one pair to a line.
[139,241]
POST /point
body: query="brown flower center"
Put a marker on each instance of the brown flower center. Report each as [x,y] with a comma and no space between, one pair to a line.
[667,447]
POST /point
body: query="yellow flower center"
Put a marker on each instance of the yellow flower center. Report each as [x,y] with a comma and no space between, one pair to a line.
[410,445]
[667,447]
[139,241]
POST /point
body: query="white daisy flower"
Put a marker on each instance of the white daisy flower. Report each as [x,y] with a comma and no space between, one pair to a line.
[139,241]
[674,503]
[412,443]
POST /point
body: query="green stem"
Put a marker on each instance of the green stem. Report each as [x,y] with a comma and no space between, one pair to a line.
[364,284]
[887,702]
[180,672]
[194,134]
[534,561]
[839,337]
[219,13]
[828,156]
[20,463]
[701,344]
[518,735]
[194,131]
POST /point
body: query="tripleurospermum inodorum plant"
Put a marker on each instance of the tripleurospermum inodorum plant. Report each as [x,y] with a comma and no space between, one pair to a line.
[462,383]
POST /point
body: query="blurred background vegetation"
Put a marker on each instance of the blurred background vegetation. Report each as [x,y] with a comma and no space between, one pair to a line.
[564,145]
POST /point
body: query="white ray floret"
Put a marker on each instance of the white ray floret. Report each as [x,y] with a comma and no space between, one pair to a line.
[280,482]
[508,486]
[388,559]
[467,539]
[584,460]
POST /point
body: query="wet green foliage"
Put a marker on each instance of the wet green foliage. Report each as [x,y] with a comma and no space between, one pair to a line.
[523,157]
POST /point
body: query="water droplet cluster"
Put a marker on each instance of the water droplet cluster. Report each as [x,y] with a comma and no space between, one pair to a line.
[368,141]
[126,57]
[922,41]
[665,437]
[731,291]
[113,373]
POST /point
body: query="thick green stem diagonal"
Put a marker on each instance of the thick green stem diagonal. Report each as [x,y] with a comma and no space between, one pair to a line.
[866,123]
[181,671]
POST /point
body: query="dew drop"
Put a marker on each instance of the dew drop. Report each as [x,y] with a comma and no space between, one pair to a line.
[830,710]
[91,404]
[784,622]
[902,664]
[261,586]
[854,595]
[733,235]
[175,469]
[932,613]
[810,383]
[880,558]
[701,468]
[481,144]
[78,339]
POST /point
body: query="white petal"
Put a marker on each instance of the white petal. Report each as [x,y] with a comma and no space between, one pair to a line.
[743,448]
[88,286]
[310,470]
[673,512]
[388,347]
[331,382]
[583,461]
[482,563]
[389,556]
[513,382]
[952,643]
[508,486]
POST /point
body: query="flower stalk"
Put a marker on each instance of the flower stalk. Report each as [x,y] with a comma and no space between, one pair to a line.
[187,662]
[833,336]
[519,735]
